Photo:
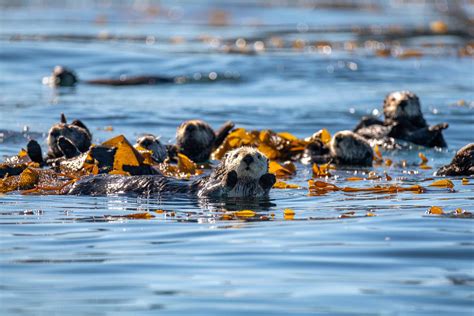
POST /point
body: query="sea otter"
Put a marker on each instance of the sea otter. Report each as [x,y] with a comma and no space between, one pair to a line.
[196,139]
[350,149]
[68,140]
[404,121]
[152,143]
[242,173]
[462,163]
[65,77]
[345,148]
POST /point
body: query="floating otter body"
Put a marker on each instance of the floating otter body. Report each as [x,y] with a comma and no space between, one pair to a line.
[196,139]
[243,173]
[404,121]
[65,77]
[345,148]
[462,163]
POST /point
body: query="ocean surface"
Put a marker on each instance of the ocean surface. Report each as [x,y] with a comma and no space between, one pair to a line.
[289,66]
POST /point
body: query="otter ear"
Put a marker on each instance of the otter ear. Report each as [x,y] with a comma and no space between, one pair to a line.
[231,179]
[267,181]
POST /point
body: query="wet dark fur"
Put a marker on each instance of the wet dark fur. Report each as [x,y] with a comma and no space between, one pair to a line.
[462,163]
[199,150]
[316,152]
[133,185]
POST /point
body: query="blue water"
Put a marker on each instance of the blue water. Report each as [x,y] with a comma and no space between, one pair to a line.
[79,255]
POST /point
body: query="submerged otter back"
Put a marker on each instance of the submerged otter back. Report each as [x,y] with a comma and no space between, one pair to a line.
[133,185]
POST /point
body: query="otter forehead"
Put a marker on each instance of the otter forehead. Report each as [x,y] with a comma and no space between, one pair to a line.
[238,154]
[402,95]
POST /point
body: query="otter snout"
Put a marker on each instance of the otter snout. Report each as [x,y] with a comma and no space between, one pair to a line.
[248,159]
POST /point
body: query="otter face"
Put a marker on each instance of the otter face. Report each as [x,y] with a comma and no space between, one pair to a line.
[402,105]
[247,162]
[243,173]
[195,139]
[152,143]
[348,148]
[61,77]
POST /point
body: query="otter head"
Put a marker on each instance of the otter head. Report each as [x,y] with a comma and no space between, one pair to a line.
[62,77]
[153,144]
[242,173]
[195,139]
[403,106]
[348,148]
[63,137]
[248,163]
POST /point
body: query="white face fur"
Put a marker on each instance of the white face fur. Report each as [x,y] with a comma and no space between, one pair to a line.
[402,104]
[246,168]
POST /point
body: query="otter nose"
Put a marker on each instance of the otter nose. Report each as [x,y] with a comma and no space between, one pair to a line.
[248,159]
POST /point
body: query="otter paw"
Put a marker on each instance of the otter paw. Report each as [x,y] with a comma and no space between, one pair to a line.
[67,147]
[231,179]
[267,181]
[79,123]
[33,149]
